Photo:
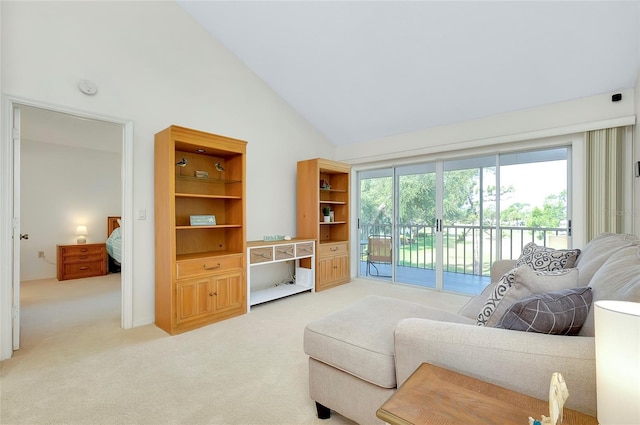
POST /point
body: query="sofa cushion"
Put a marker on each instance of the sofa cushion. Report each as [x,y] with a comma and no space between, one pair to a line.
[520,283]
[359,338]
[597,252]
[547,259]
[475,304]
[560,312]
[617,279]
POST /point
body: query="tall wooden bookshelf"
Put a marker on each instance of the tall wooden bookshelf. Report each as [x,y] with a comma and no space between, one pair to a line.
[325,183]
[200,230]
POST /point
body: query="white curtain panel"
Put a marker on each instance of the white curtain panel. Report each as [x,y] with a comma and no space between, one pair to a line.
[605,184]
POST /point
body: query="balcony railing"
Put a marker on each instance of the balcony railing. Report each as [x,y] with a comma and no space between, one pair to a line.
[466,249]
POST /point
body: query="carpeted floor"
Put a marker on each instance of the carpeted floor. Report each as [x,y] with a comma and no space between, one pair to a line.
[77,366]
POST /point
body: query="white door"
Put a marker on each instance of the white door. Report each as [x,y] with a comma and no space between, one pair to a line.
[17,237]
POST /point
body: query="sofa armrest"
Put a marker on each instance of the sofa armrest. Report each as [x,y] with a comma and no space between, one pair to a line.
[474,305]
[520,361]
[500,267]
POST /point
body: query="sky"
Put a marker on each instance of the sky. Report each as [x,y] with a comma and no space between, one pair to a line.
[533,182]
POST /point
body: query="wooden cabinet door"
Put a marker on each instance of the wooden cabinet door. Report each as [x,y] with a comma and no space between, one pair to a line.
[341,267]
[228,289]
[193,299]
[333,265]
[325,271]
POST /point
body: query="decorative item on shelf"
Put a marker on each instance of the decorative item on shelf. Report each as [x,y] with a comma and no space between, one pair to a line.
[558,394]
[220,168]
[81,231]
[182,164]
[617,340]
[202,220]
[324,184]
[326,211]
[201,174]
[332,216]
[274,238]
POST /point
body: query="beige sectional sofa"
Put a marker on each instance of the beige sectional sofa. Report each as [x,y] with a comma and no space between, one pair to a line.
[358,356]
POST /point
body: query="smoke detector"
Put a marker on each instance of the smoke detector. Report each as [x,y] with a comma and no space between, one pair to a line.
[87,87]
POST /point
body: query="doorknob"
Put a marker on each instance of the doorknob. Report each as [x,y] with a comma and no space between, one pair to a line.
[24,236]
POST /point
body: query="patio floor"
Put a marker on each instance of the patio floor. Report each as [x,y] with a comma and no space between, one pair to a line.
[455,282]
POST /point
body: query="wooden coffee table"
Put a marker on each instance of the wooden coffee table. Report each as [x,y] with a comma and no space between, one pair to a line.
[433,395]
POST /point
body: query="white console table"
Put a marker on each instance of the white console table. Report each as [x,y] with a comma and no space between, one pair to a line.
[260,253]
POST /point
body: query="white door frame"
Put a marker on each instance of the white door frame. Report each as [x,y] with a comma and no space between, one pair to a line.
[16,227]
[7,220]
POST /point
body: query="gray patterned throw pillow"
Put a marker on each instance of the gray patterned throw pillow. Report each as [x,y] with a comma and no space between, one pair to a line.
[496,296]
[520,283]
[560,312]
[541,258]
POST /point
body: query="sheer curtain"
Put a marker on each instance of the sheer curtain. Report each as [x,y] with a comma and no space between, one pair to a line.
[605,181]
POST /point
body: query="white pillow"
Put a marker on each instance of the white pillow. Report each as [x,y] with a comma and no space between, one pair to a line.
[520,283]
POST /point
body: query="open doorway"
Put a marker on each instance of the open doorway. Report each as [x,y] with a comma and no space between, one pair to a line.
[70,176]
[82,161]
[40,131]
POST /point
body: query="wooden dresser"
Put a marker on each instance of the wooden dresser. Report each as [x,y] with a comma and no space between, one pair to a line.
[85,260]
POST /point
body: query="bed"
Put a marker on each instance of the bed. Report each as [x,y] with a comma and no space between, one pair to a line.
[114,244]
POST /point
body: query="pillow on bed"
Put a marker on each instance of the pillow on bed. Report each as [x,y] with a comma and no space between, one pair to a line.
[116,234]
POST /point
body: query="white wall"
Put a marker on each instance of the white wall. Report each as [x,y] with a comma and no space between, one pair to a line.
[62,187]
[547,121]
[155,66]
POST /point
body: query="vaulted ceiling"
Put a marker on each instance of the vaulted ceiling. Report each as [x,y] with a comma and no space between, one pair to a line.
[364,70]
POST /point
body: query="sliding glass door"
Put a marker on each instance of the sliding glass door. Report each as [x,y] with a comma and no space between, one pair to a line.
[416,240]
[534,204]
[442,224]
[468,223]
[376,223]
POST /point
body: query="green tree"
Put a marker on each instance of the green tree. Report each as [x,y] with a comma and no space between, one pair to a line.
[553,211]
[417,199]
[515,214]
[376,200]
[460,203]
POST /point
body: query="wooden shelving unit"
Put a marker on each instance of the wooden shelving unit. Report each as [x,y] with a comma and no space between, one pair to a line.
[200,269]
[325,183]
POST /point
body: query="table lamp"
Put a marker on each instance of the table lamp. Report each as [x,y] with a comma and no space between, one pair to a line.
[81,231]
[617,337]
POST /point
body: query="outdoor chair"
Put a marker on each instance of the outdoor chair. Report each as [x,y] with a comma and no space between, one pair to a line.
[379,251]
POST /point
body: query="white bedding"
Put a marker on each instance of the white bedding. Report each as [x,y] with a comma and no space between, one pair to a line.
[114,245]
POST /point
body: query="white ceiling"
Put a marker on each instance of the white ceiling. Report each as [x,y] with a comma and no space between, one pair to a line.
[364,70]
